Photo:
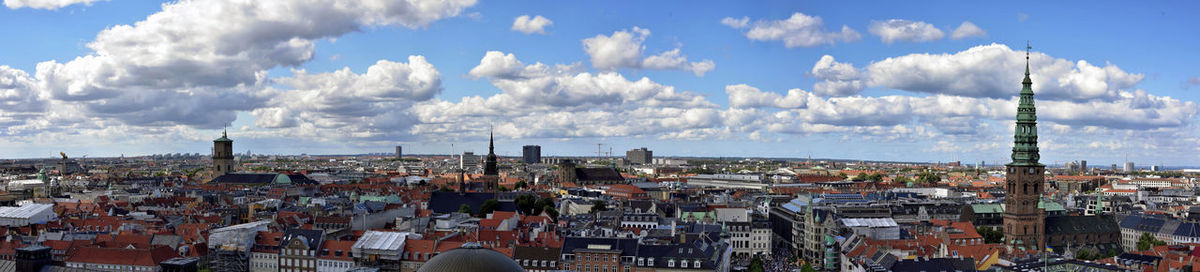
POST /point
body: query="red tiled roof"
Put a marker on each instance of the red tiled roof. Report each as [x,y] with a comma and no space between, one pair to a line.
[122,256]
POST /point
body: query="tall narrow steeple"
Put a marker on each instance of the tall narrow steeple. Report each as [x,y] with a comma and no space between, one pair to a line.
[489,165]
[1025,149]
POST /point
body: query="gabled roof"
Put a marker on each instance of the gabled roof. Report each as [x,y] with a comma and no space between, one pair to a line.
[1081,224]
[597,174]
[122,256]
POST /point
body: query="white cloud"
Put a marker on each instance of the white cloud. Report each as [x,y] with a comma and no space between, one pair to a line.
[894,30]
[624,49]
[967,30]
[196,63]
[799,30]
[836,78]
[559,101]
[527,25]
[45,4]
[996,71]
[736,23]
[343,101]
[745,96]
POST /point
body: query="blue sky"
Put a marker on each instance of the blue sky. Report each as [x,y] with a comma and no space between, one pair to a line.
[907,86]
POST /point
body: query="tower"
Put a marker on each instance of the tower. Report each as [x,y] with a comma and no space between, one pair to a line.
[1024,223]
[489,166]
[222,155]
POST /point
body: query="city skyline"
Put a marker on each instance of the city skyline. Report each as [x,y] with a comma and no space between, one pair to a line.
[899,83]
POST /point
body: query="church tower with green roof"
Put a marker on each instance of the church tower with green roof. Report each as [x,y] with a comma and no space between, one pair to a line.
[1024,222]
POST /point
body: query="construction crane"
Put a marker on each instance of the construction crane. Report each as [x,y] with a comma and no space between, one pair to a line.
[64,155]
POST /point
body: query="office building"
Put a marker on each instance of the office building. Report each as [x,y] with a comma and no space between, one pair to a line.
[468,160]
[640,156]
[1129,167]
[531,154]
[399,152]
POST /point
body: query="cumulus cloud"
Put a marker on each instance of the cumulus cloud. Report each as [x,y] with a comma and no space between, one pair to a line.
[799,30]
[561,101]
[967,30]
[894,30]
[836,78]
[992,70]
[370,104]
[44,4]
[527,25]
[624,49]
[196,63]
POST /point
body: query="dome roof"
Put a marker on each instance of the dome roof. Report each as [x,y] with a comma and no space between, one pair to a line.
[470,257]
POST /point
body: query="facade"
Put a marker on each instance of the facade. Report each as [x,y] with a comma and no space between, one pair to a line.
[223,156]
[468,160]
[399,152]
[537,259]
[298,250]
[1023,221]
[640,156]
[531,154]
[750,238]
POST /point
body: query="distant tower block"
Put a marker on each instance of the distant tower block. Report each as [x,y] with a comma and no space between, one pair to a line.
[222,155]
[399,152]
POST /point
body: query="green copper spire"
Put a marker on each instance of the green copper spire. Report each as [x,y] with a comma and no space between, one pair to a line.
[1025,149]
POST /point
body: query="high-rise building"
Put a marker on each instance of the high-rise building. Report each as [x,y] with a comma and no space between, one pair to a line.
[399,152]
[1024,222]
[1083,167]
[222,155]
[468,160]
[531,154]
[640,156]
[1129,167]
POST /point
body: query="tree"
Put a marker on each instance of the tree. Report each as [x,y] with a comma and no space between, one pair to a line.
[464,209]
[488,207]
[842,174]
[928,178]
[756,265]
[1147,241]
[990,235]
[598,206]
[875,177]
[807,268]
[902,179]
[521,185]
[526,203]
[860,177]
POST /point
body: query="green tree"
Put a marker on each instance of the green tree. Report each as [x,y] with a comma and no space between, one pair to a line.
[521,185]
[598,206]
[756,265]
[875,177]
[526,203]
[464,209]
[488,207]
[991,235]
[902,179]
[1147,241]
[860,177]
[842,174]
[928,178]
[807,268]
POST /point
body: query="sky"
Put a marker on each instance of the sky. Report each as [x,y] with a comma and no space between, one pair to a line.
[878,80]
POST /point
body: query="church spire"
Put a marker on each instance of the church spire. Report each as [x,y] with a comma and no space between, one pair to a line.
[489,165]
[1025,149]
[491,141]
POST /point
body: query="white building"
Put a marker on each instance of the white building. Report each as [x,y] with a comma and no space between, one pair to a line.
[27,214]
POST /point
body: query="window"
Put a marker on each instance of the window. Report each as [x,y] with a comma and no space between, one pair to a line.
[683,264]
[696,264]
